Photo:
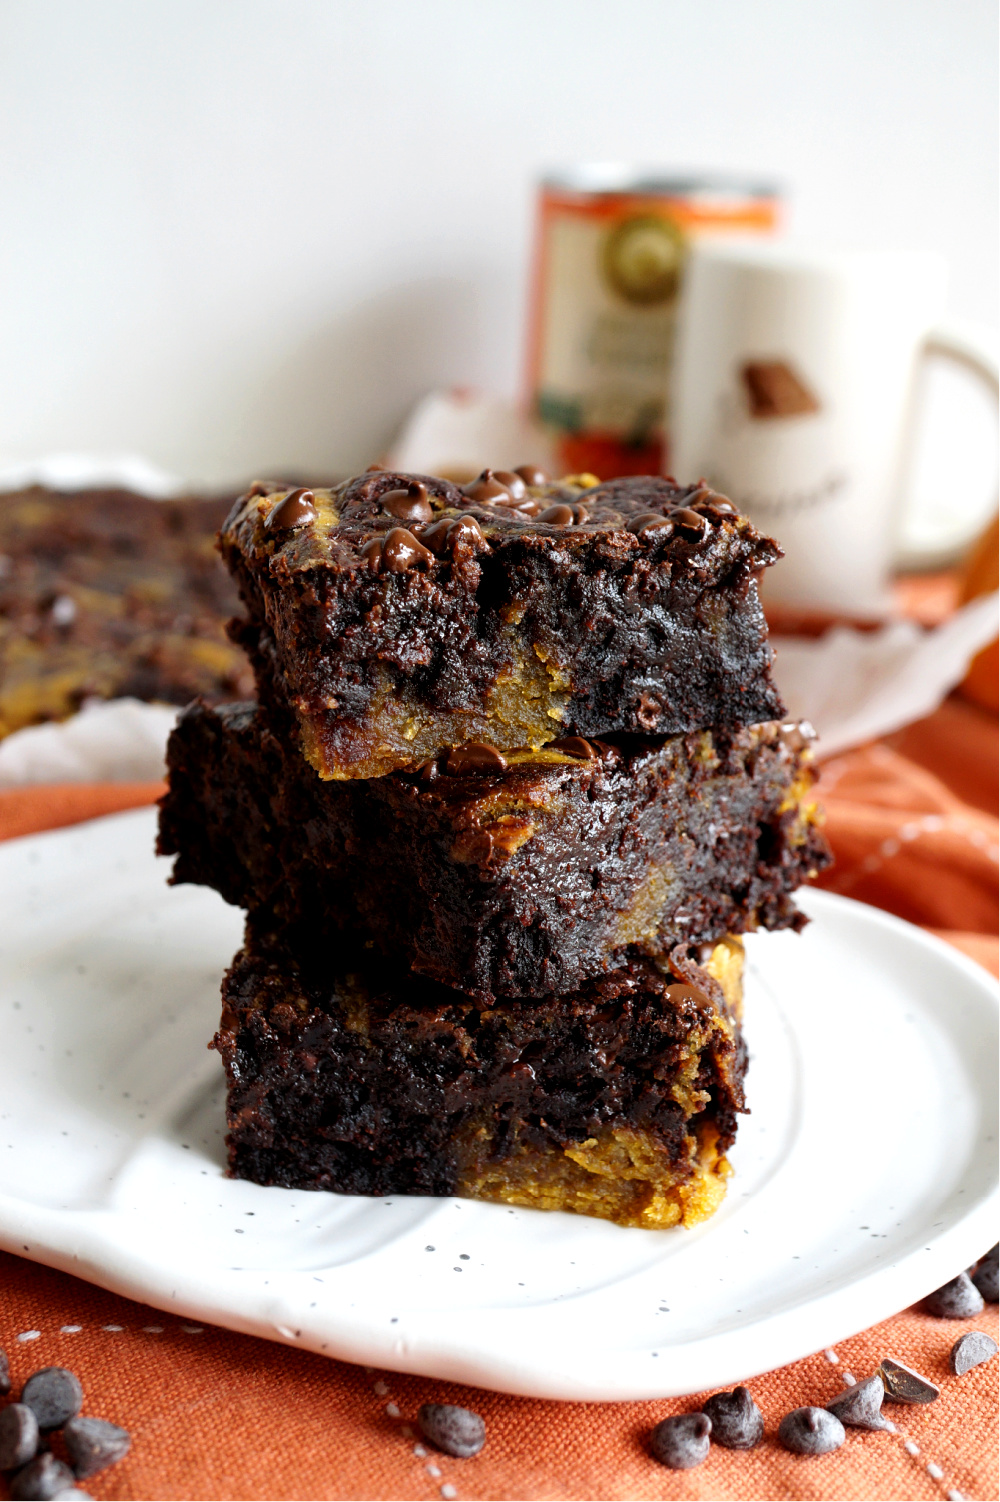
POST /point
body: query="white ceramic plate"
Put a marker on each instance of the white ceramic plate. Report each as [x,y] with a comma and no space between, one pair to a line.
[864,1178]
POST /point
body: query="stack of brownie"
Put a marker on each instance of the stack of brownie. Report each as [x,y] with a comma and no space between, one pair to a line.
[515,783]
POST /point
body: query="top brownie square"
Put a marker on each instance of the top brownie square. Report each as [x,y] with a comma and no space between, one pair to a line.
[399,614]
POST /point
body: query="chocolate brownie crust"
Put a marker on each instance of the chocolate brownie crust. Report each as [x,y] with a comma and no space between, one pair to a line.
[625,607]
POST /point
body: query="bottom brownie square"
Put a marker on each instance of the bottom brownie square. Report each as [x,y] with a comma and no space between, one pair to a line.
[618,1101]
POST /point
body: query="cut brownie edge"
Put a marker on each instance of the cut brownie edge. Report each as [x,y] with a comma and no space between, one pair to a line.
[517,880]
[639,614]
[619,1101]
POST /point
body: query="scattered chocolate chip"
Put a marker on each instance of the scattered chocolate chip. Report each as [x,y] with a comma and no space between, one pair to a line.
[737,1422]
[811,1431]
[557,516]
[531,475]
[682,1442]
[860,1406]
[959,1299]
[971,1350]
[402,551]
[514,483]
[985,1276]
[487,489]
[4,1373]
[41,1479]
[54,1395]
[294,511]
[903,1385]
[651,521]
[691,525]
[474,756]
[409,505]
[456,1431]
[18,1436]
[575,745]
[93,1444]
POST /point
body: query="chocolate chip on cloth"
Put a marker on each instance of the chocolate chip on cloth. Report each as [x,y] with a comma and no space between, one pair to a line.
[737,1422]
[54,1394]
[959,1299]
[456,1431]
[18,1436]
[860,1405]
[41,1479]
[985,1274]
[93,1444]
[682,1442]
[903,1385]
[811,1431]
[971,1350]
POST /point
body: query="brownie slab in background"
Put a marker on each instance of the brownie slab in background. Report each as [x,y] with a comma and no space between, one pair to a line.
[618,1100]
[396,615]
[516,875]
[104,594]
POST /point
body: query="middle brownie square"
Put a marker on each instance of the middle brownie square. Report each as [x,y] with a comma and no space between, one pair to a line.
[501,876]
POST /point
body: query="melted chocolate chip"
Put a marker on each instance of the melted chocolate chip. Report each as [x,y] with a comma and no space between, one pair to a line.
[513,482]
[474,756]
[557,516]
[372,552]
[575,745]
[651,521]
[487,490]
[473,847]
[531,475]
[294,511]
[448,533]
[680,994]
[402,551]
[409,505]
[428,771]
[691,525]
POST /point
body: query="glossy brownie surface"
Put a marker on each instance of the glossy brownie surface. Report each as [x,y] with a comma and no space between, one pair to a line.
[619,1099]
[104,593]
[398,614]
[515,875]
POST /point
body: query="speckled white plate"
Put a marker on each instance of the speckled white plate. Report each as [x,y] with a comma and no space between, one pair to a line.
[864,1178]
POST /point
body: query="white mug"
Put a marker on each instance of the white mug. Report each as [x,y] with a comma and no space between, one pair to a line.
[794,380]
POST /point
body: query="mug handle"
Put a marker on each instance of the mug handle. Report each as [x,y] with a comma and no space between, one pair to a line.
[976,352]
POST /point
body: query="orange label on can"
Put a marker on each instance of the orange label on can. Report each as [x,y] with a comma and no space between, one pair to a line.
[608,273]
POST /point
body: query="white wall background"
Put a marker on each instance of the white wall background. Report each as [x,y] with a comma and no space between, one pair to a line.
[244,235]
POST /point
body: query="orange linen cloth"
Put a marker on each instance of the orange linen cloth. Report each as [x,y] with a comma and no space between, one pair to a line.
[215,1415]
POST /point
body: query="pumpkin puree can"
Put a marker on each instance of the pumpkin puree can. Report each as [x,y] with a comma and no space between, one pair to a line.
[609,259]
